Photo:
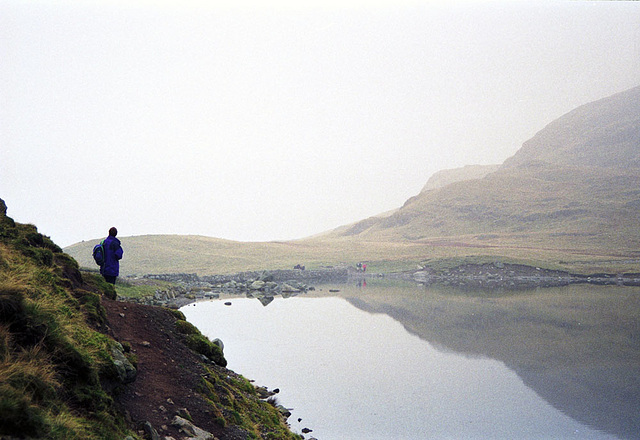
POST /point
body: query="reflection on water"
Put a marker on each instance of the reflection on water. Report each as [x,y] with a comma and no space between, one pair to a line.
[428,363]
[576,346]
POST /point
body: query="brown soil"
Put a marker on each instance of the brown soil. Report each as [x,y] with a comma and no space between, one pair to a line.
[168,372]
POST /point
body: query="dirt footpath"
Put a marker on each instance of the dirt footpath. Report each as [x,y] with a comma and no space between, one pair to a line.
[168,372]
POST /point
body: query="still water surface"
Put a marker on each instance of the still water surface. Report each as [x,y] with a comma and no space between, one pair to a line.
[404,362]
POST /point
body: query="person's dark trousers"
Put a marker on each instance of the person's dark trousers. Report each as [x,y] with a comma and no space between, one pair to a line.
[110,279]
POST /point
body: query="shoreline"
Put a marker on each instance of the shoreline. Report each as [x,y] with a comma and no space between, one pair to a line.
[264,285]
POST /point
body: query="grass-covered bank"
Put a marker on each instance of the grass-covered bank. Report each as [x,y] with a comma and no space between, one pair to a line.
[64,371]
[54,359]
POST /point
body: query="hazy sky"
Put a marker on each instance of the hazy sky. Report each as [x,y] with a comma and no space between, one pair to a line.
[275,122]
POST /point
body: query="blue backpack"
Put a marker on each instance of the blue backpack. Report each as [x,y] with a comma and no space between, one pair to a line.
[98,253]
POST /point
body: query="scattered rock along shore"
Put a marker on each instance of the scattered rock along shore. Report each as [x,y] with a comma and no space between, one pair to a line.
[265,285]
[515,276]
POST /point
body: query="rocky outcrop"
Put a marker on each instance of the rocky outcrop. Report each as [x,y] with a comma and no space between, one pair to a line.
[468,172]
[187,428]
[514,276]
[126,371]
[308,276]
[191,430]
[261,285]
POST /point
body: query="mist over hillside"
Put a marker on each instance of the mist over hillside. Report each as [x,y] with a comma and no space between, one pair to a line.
[579,176]
[572,191]
[602,134]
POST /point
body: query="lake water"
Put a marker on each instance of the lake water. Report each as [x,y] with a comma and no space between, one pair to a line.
[400,361]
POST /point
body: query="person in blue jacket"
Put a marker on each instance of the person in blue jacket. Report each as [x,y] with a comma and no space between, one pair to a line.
[112,255]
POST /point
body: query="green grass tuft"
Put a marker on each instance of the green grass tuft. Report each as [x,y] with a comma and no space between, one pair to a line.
[201,344]
[185,327]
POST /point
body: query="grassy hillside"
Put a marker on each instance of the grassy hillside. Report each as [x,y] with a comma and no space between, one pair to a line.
[52,358]
[577,207]
[63,376]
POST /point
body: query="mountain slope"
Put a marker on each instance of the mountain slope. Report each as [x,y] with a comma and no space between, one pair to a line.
[604,133]
[579,178]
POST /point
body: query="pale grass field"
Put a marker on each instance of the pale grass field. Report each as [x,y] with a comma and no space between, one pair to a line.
[205,256]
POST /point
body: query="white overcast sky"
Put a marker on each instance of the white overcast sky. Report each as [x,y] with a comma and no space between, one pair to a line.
[267,121]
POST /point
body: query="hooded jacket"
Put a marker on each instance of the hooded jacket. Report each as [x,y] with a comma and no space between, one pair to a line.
[113,254]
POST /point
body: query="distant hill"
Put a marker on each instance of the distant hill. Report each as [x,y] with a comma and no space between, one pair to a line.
[190,254]
[571,193]
[576,181]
